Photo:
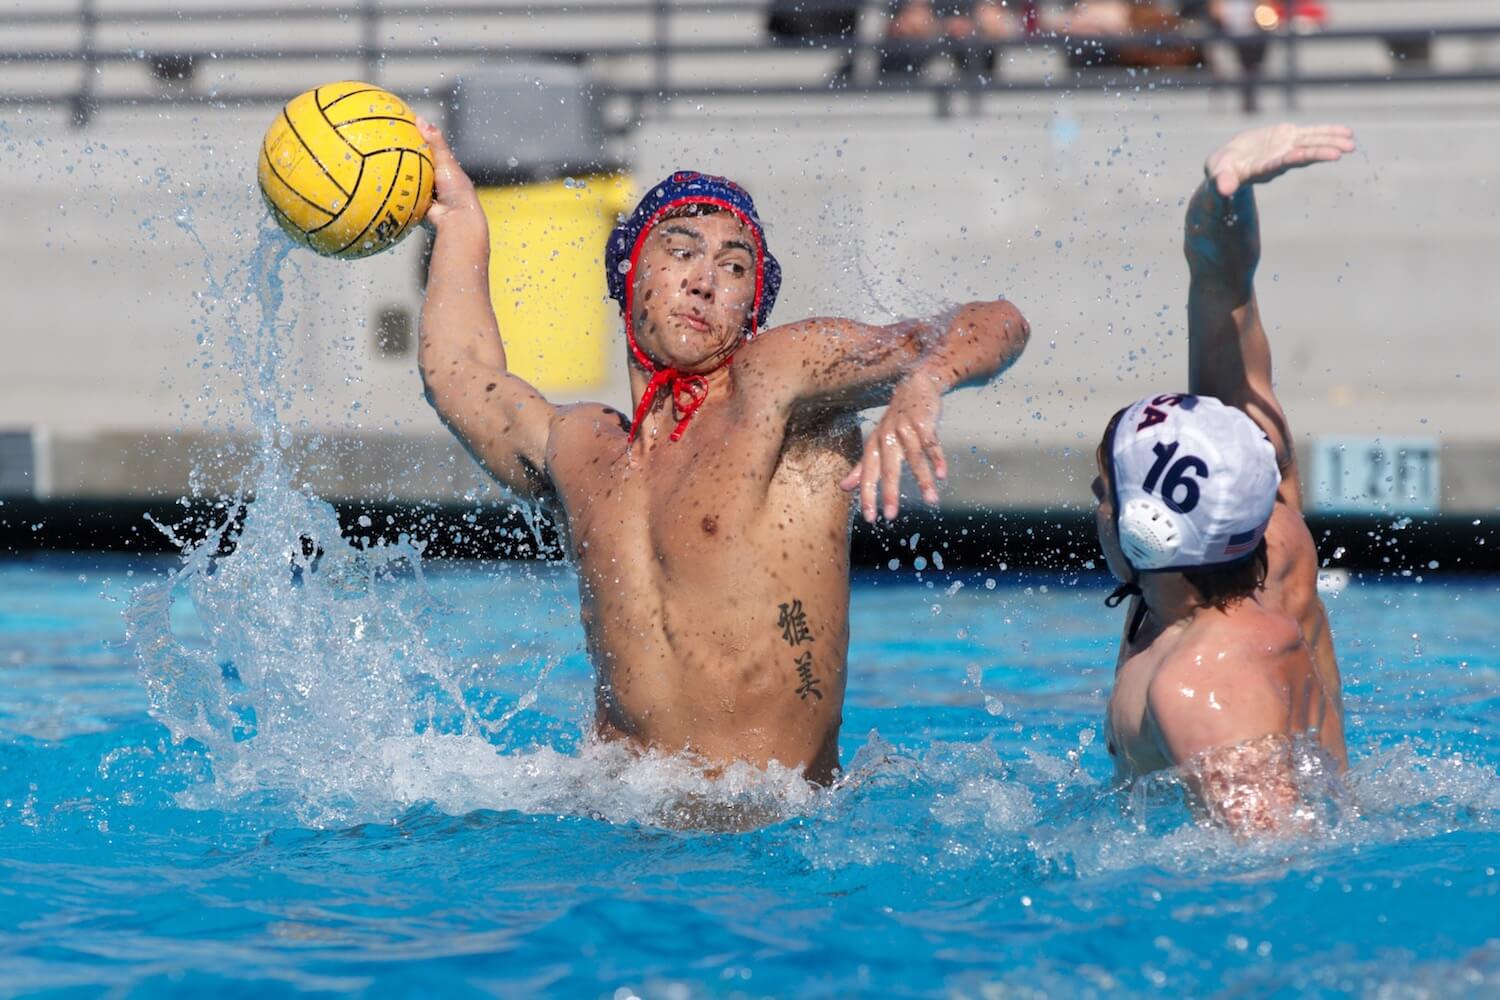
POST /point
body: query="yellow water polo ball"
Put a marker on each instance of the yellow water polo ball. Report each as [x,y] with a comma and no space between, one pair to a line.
[345,171]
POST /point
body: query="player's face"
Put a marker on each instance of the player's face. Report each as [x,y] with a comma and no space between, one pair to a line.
[694,291]
[1104,520]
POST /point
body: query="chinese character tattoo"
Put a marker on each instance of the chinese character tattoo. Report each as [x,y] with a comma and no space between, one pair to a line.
[793,623]
[809,685]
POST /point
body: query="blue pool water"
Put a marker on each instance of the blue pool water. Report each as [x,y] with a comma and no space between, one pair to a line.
[367,776]
[321,768]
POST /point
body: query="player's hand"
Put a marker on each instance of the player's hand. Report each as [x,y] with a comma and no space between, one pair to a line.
[907,432]
[1262,154]
[453,194]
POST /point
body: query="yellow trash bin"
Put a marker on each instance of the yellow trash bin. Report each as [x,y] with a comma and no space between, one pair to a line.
[547,276]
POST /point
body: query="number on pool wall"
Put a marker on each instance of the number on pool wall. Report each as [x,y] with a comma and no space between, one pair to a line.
[1375,474]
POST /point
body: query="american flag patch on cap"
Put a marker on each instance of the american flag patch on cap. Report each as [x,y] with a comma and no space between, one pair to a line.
[1241,543]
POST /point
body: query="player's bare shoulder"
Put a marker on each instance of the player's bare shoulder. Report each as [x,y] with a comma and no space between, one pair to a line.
[829,362]
[584,435]
[769,369]
[1242,652]
[594,419]
[789,344]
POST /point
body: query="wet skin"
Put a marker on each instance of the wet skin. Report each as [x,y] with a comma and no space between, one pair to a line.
[1262,666]
[713,570]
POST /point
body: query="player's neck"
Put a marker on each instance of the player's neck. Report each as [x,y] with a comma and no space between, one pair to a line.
[1169,596]
[663,415]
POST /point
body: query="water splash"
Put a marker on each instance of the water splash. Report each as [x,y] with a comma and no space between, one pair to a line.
[322,688]
[315,649]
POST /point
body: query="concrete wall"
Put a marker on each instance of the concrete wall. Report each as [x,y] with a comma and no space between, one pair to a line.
[1376,282]
[126,264]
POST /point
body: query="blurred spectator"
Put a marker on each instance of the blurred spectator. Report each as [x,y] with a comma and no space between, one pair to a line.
[1121,18]
[968,24]
[813,20]
[830,23]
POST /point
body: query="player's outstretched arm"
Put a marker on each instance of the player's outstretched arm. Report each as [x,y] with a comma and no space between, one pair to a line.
[1229,356]
[501,419]
[971,346]
[831,366]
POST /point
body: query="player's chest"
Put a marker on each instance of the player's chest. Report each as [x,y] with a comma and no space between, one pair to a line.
[657,513]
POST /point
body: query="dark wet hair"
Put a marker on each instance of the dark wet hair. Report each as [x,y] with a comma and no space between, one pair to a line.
[1221,586]
[689,210]
[1106,456]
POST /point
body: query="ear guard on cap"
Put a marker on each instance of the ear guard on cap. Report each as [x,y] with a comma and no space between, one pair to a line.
[1150,533]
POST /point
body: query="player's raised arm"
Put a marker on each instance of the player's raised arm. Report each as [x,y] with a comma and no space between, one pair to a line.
[1228,354]
[835,365]
[500,418]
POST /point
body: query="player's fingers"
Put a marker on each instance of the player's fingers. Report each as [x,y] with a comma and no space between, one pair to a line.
[874,465]
[435,139]
[1319,141]
[1226,182]
[934,449]
[1330,133]
[1340,139]
[869,479]
[450,181]
[1295,157]
[890,476]
[921,469]
[1324,154]
[851,481]
[1344,144]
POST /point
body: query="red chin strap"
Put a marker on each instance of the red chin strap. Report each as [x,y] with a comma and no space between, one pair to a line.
[688,391]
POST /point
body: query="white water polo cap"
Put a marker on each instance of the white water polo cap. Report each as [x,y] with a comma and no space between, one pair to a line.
[1194,482]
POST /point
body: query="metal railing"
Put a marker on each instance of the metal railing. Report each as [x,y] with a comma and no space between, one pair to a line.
[646,34]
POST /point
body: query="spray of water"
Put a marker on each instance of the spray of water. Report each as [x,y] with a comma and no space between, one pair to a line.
[320,687]
[321,690]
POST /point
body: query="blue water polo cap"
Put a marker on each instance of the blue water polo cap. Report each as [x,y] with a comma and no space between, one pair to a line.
[689,187]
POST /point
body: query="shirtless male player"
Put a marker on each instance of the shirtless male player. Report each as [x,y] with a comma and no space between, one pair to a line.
[711,528]
[1226,652]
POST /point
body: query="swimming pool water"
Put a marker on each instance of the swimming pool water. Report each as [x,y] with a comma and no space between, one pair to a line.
[378,786]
